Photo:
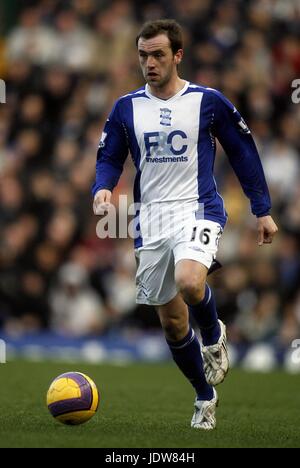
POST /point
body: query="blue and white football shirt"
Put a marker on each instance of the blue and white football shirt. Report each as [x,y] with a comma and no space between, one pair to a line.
[172,144]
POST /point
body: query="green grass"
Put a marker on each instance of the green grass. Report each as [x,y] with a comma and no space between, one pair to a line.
[149,406]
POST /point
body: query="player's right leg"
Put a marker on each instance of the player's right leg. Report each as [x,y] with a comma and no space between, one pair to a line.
[186,352]
[156,286]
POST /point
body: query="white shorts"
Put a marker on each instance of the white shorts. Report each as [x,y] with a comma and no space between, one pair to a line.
[156,261]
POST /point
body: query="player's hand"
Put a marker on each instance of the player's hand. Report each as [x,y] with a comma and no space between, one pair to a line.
[102,202]
[266,230]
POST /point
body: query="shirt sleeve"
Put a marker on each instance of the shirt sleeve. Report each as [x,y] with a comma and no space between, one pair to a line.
[112,152]
[235,137]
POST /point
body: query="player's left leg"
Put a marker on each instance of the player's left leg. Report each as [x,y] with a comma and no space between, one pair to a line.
[190,277]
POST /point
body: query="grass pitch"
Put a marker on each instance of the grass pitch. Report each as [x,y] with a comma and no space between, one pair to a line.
[147,405]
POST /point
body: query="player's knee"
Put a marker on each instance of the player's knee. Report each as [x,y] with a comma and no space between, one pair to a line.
[174,328]
[192,291]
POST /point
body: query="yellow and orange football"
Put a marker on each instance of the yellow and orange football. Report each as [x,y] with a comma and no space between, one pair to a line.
[73,398]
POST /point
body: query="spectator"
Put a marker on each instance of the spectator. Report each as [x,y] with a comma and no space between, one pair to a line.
[76,310]
[65,64]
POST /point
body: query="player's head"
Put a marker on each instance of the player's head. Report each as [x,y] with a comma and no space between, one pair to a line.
[160,51]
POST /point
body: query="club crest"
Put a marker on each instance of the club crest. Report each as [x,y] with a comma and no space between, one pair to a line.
[165,116]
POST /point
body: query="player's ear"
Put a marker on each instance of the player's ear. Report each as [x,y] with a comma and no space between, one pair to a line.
[178,56]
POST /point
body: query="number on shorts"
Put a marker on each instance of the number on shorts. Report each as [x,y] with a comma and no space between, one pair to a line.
[204,235]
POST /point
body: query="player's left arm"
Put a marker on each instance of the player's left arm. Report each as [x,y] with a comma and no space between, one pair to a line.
[236,139]
[266,229]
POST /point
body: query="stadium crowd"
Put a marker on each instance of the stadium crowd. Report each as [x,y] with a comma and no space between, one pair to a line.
[64,64]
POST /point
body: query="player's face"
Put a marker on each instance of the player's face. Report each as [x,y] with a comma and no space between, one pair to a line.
[158,63]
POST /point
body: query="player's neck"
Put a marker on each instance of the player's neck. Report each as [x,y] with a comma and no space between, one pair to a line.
[169,90]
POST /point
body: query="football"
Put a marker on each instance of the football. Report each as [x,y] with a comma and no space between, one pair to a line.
[73,398]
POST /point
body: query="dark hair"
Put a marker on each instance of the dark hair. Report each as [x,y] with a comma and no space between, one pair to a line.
[166,26]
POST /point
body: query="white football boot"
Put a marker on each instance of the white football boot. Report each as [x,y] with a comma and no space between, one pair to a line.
[215,359]
[204,416]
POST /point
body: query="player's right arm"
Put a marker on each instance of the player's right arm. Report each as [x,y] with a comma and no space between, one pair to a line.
[111,155]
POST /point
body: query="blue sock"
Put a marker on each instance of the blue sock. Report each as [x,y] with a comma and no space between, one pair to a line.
[187,355]
[206,316]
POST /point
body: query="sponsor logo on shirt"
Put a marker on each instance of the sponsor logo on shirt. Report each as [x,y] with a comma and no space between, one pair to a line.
[166,147]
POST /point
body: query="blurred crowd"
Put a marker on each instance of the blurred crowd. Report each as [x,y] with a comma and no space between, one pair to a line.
[64,64]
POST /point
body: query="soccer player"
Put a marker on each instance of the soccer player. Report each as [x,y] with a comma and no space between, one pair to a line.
[170,126]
